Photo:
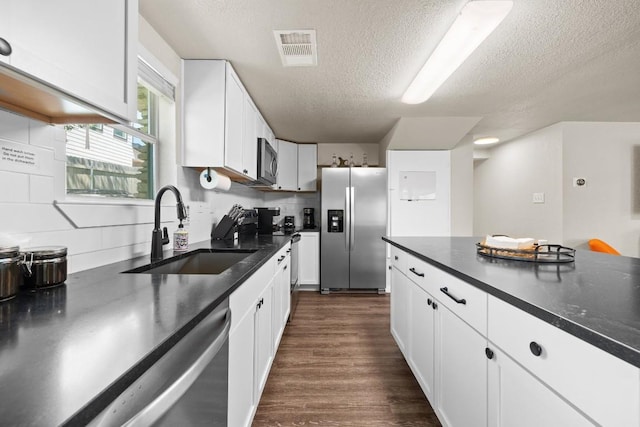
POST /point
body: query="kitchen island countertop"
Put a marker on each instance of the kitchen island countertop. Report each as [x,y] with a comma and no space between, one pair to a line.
[68,351]
[595,298]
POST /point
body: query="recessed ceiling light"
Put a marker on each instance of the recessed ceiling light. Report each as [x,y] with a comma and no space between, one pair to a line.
[474,24]
[486,140]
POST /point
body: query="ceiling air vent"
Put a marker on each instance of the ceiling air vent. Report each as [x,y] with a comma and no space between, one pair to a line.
[297,48]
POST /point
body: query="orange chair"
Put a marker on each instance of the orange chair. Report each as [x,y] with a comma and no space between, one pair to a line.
[598,245]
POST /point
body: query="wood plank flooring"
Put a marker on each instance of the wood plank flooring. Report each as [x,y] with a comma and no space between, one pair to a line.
[338,365]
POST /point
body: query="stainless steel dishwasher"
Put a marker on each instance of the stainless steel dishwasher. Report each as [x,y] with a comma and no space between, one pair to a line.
[185,387]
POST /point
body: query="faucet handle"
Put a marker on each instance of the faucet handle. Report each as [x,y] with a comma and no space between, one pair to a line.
[165,236]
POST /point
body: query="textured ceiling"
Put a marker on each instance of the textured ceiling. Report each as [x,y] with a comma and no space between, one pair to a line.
[549,61]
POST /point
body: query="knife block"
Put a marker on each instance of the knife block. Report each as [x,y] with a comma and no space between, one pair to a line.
[224,230]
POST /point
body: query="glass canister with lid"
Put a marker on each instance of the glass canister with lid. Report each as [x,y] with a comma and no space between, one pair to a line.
[44,266]
[10,273]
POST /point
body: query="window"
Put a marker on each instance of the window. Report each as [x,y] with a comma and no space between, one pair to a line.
[113,160]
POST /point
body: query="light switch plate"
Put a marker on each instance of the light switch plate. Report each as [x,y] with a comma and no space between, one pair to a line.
[538,197]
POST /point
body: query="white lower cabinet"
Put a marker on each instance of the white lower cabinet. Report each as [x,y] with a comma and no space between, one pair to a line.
[281,298]
[461,371]
[422,337]
[517,398]
[242,398]
[309,259]
[263,337]
[259,311]
[483,362]
[400,288]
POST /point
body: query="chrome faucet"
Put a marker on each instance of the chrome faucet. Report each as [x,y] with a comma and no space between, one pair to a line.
[160,237]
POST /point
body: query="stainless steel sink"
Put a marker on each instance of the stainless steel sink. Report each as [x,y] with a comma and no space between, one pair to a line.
[198,262]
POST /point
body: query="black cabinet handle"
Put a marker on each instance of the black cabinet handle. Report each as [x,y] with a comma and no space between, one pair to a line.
[5,47]
[245,171]
[413,270]
[535,348]
[288,250]
[446,292]
[396,257]
[281,258]
[429,301]
[489,353]
[434,305]
[389,267]
[285,267]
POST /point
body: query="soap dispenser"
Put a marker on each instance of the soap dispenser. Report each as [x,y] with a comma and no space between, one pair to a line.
[181,238]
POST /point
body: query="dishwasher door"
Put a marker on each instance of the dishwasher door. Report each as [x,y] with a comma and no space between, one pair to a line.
[185,387]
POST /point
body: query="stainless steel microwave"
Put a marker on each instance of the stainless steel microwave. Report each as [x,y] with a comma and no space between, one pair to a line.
[267,163]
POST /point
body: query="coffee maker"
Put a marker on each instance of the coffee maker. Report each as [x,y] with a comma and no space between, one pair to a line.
[289,225]
[309,221]
[265,219]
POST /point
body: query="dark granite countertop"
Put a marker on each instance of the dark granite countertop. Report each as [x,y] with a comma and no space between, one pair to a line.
[595,298]
[67,352]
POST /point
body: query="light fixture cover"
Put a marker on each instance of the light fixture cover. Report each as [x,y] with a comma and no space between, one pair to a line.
[475,22]
[486,140]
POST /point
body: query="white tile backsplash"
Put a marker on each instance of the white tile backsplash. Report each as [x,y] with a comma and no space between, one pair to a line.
[41,189]
[14,187]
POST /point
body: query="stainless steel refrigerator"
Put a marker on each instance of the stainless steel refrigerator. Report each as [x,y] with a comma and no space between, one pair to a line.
[354,218]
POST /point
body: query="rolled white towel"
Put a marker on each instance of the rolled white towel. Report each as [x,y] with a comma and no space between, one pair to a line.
[506,242]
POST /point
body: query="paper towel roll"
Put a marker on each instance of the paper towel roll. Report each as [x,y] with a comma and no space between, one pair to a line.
[211,180]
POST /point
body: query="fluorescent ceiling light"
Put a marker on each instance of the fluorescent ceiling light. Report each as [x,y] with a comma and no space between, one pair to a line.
[486,140]
[474,24]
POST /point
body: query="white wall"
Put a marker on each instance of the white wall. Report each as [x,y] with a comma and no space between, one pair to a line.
[505,182]
[607,155]
[462,188]
[326,151]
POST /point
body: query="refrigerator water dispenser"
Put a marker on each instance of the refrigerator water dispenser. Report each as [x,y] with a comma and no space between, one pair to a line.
[336,221]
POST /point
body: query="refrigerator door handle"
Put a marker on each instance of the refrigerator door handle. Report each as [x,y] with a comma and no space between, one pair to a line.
[352,230]
[347,216]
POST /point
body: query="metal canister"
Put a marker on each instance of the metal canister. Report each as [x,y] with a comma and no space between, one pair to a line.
[10,273]
[44,266]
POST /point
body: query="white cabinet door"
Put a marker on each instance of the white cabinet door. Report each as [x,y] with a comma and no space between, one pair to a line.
[242,391]
[309,259]
[250,139]
[234,123]
[263,338]
[281,292]
[307,167]
[517,398]
[400,309]
[461,371]
[86,49]
[287,179]
[422,338]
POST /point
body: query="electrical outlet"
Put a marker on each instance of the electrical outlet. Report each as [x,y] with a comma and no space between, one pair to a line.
[579,182]
[538,197]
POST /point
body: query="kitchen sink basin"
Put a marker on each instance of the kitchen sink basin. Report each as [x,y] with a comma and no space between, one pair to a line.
[198,262]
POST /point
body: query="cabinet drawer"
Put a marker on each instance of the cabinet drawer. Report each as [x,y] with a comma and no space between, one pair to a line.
[399,259]
[464,300]
[604,387]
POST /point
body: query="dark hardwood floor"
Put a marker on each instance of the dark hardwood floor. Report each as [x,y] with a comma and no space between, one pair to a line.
[337,365]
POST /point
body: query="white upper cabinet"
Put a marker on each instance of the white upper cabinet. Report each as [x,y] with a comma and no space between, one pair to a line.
[219,120]
[297,166]
[287,179]
[307,167]
[83,49]
[250,139]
